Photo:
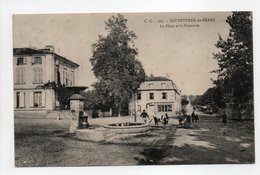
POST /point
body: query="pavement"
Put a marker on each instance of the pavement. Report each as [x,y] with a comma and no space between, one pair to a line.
[46,142]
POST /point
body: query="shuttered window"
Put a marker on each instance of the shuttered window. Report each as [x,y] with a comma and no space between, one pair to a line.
[37,75]
[151,96]
[164,95]
[20,99]
[37,99]
[21,61]
[164,108]
[20,75]
[139,96]
[37,60]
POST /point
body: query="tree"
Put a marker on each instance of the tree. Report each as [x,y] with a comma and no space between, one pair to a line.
[235,59]
[63,94]
[213,97]
[114,63]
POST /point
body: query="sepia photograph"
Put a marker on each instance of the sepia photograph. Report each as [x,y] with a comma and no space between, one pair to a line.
[130,89]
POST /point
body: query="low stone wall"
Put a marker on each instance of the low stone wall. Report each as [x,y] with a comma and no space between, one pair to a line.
[40,114]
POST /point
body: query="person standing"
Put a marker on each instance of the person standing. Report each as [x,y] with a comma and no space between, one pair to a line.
[165,119]
[224,118]
[193,116]
[196,117]
[144,116]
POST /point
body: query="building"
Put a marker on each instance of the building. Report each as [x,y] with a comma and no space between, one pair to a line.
[32,69]
[157,95]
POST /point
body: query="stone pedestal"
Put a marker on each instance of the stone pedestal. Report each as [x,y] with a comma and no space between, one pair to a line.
[77,109]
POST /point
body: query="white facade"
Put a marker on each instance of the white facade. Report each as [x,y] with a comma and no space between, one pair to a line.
[34,67]
[157,95]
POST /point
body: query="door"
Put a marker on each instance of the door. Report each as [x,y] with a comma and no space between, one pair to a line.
[17,99]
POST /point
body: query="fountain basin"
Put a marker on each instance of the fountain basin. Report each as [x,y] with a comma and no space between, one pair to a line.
[127,128]
[112,131]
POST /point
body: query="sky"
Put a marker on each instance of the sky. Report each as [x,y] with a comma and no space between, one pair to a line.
[177,45]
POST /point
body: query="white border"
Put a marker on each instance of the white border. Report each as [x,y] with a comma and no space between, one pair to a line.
[9,7]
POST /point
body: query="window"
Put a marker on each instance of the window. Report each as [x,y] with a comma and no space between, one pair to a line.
[151,96]
[159,108]
[169,108]
[164,108]
[37,60]
[163,85]
[67,79]
[20,75]
[20,99]
[73,78]
[37,99]
[150,85]
[37,75]
[138,108]
[164,95]
[64,77]
[21,61]
[56,74]
[139,97]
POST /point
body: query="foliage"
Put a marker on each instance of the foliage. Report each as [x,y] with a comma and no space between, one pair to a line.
[193,99]
[114,63]
[235,59]
[62,92]
[213,96]
[184,102]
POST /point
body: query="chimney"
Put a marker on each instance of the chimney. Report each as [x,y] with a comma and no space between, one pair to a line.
[49,48]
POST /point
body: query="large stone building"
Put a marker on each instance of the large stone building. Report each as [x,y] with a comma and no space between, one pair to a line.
[32,69]
[157,95]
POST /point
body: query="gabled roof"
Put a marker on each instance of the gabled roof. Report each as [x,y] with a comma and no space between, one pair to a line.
[159,78]
[27,51]
[33,51]
[152,78]
[76,97]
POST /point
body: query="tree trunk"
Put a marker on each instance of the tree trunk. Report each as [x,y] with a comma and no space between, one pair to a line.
[119,109]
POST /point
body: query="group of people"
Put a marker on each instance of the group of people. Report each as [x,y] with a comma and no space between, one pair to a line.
[164,118]
[186,120]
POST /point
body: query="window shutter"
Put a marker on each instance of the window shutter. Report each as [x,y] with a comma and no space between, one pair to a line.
[40,75]
[23,75]
[34,75]
[43,98]
[32,60]
[17,75]
[21,99]
[24,60]
[31,99]
[15,94]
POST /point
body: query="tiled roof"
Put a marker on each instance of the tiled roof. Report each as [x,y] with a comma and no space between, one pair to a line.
[152,78]
[33,51]
[76,97]
[27,51]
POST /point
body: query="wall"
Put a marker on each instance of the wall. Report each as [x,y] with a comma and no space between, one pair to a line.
[26,102]
[173,98]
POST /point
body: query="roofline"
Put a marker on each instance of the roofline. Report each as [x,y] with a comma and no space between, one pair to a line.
[158,80]
[65,59]
[45,52]
[157,89]
[174,85]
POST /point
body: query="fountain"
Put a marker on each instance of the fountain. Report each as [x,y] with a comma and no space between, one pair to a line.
[79,125]
[112,132]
